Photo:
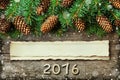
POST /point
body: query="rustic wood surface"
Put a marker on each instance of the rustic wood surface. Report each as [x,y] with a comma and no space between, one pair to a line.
[33,70]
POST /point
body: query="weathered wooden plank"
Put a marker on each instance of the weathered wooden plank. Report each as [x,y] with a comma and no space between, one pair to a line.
[71,50]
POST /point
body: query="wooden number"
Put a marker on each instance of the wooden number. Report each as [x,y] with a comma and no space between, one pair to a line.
[47,68]
[75,70]
[67,68]
[56,69]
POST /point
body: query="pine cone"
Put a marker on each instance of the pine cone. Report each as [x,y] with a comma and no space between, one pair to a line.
[4,3]
[115,3]
[117,22]
[43,6]
[104,23]
[66,3]
[21,25]
[80,25]
[4,25]
[49,24]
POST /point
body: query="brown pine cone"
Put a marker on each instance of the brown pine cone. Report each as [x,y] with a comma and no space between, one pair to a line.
[4,3]
[66,3]
[43,6]
[117,22]
[49,24]
[21,25]
[4,25]
[115,3]
[80,25]
[104,23]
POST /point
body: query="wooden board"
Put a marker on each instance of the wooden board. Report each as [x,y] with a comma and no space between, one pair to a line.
[71,50]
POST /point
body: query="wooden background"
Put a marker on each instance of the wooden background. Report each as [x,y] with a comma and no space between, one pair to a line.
[32,70]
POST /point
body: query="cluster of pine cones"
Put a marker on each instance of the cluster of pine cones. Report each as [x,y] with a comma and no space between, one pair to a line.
[52,20]
[116,4]
[43,6]
[4,24]
[19,25]
[104,22]
[18,21]
[22,26]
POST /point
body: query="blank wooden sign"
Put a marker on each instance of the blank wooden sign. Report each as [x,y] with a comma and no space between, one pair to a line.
[70,50]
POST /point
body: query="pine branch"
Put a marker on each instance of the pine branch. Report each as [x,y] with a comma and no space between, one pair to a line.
[11,10]
[80,9]
[54,7]
[116,13]
[77,9]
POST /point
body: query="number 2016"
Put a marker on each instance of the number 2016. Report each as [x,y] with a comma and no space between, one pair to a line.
[56,69]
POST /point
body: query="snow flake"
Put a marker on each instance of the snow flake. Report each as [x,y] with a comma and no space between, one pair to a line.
[88,2]
[109,7]
[66,15]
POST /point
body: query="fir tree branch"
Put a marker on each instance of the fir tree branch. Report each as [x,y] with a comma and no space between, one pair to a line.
[96,2]
[30,12]
[53,8]
[65,19]
[27,9]
[80,6]
[114,15]
[10,15]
